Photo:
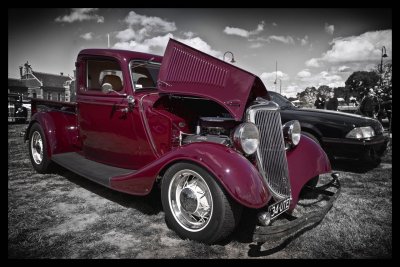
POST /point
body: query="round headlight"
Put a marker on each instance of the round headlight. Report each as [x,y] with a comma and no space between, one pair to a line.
[246,137]
[292,132]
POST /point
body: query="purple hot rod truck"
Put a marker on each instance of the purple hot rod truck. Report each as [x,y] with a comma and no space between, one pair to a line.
[201,129]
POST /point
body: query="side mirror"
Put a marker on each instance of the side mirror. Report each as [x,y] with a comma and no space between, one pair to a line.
[106,88]
[130,99]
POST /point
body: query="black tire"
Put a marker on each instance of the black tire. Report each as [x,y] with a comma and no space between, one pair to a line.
[313,137]
[45,163]
[224,214]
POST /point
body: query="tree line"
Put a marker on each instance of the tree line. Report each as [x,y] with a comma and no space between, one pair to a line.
[356,86]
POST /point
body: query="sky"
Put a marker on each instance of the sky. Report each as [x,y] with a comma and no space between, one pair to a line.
[307,47]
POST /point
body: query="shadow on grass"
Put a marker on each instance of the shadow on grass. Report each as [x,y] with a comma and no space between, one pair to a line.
[243,233]
[255,249]
[149,204]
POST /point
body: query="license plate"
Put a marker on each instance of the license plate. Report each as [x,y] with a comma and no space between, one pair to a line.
[279,207]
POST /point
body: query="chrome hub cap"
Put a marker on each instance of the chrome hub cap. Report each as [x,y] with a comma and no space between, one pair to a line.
[37,148]
[190,200]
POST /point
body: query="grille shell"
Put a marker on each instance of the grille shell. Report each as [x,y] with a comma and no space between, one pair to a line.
[271,153]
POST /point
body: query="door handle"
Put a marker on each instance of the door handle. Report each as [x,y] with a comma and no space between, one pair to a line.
[124,110]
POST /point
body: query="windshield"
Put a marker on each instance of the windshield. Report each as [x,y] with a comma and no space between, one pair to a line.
[144,74]
[280,100]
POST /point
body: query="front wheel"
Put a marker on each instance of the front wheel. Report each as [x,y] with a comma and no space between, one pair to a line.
[195,205]
[38,149]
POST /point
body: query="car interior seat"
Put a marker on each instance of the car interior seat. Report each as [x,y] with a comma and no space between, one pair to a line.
[114,80]
[145,82]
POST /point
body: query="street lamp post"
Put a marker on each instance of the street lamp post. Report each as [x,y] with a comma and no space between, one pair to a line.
[276,74]
[232,60]
[381,68]
[383,55]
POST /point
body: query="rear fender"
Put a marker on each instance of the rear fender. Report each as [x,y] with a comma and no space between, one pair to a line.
[60,130]
[306,161]
[233,171]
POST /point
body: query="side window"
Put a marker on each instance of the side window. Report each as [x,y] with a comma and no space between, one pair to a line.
[103,71]
[144,74]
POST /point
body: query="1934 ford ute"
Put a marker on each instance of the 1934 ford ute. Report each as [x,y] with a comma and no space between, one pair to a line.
[203,130]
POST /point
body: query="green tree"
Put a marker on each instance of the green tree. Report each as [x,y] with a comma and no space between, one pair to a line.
[360,82]
[343,92]
[384,89]
[324,91]
[308,97]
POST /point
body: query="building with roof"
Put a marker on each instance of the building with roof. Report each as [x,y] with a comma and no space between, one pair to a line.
[34,84]
[17,86]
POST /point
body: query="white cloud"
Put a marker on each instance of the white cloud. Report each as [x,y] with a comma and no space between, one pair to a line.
[141,27]
[323,78]
[304,73]
[312,63]
[126,34]
[270,77]
[292,90]
[201,45]
[244,33]
[344,69]
[152,45]
[284,39]
[303,41]
[329,28]
[260,28]
[87,36]
[188,34]
[236,31]
[81,14]
[143,35]
[256,45]
[363,48]
[158,44]
[155,23]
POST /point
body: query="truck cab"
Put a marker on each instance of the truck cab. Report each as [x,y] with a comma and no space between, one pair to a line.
[201,129]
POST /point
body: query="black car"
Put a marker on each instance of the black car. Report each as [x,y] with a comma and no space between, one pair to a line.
[341,135]
[16,111]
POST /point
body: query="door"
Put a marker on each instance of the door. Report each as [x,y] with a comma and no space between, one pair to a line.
[106,124]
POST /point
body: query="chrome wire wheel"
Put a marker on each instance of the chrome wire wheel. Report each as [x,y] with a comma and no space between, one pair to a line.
[190,200]
[37,147]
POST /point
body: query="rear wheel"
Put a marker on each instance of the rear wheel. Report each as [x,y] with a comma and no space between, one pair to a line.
[195,205]
[38,149]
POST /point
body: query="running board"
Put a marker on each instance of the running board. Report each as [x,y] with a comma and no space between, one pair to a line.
[92,170]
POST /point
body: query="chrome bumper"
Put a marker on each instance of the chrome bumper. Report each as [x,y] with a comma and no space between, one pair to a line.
[274,233]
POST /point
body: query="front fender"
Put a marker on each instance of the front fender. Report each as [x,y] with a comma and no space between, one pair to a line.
[234,172]
[306,161]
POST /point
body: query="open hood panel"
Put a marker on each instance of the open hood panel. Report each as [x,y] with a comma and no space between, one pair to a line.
[187,71]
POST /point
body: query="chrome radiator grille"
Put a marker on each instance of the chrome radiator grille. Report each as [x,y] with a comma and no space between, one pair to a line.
[271,154]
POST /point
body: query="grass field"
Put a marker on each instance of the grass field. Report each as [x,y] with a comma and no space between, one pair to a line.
[62,215]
